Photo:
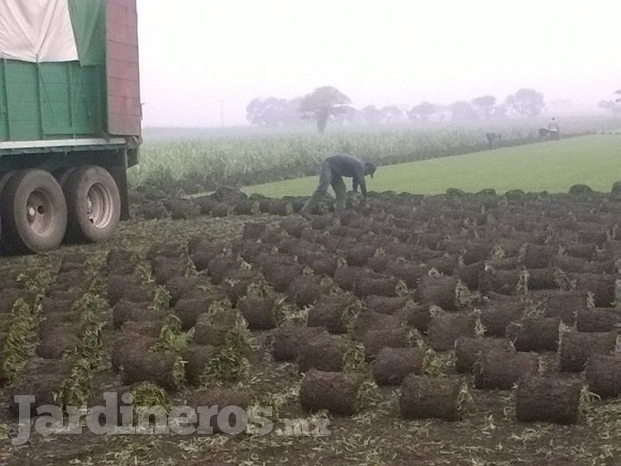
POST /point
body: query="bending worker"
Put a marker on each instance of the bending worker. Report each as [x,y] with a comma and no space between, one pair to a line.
[333,169]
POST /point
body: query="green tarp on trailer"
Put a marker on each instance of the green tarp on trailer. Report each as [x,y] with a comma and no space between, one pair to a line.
[89,29]
[52,75]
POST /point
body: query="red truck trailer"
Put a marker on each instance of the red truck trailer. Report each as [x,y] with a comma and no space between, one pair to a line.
[70,119]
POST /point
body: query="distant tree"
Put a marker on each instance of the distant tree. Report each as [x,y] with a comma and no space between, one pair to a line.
[292,115]
[484,106]
[500,111]
[323,103]
[422,111]
[613,106]
[347,116]
[270,112]
[461,111]
[526,102]
[372,115]
[391,112]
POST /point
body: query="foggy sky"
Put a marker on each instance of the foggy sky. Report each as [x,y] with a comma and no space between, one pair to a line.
[196,53]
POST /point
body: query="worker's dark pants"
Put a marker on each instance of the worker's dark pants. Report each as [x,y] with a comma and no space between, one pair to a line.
[327,179]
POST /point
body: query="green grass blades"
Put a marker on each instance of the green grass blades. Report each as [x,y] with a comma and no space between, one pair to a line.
[552,166]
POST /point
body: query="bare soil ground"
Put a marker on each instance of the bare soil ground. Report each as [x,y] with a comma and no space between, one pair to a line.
[487,434]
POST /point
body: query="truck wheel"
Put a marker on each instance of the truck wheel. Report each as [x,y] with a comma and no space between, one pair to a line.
[4,179]
[93,203]
[35,218]
[62,175]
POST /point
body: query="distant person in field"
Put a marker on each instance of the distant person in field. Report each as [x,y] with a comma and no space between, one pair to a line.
[552,131]
[333,169]
[492,138]
[553,126]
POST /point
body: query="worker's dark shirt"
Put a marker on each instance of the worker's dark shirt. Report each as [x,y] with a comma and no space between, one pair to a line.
[350,167]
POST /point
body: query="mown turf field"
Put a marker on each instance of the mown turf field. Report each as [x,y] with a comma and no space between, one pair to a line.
[553,166]
[198,160]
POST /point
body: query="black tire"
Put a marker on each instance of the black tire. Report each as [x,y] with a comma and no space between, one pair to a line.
[62,175]
[4,179]
[93,203]
[35,218]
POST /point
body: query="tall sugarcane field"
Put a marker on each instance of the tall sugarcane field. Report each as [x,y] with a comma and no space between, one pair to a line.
[457,326]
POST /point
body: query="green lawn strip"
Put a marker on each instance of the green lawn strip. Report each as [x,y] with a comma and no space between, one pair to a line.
[552,166]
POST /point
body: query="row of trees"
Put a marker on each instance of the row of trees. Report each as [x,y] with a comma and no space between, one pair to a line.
[613,105]
[329,104]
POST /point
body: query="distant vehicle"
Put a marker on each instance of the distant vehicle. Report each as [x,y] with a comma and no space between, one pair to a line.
[70,120]
[552,131]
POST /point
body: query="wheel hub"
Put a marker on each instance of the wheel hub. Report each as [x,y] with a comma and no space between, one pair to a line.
[40,213]
[99,206]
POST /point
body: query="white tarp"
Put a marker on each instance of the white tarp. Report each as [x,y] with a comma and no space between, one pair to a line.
[36,31]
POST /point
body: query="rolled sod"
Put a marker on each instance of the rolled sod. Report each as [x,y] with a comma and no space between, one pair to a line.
[236,283]
[446,328]
[548,399]
[501,370]
[306,289]
[335,391]
[196,358]
[147,366]
[258,312]
[323,352]
[179,285]
[67,321]
[359,254]
[439,291]
[393,365]
[542,279]
[41,378]
[367,321]
[565,305]
[56,343]
[128,311]
[469,274]
[148,329]
[288,339]
[385,304]
[602,287]
[346,277]
[328,312]
[499,281]
[223,398]
[375,340]
[212,328]
[468,350]
[577,347]
[603,374]
[128,343]
[55,306]
[498,315]
[535,334]
[418,317]
[424,397]
[188,310]
[409,272]
[128,287]
[379,286]
[599,319]
[165,268]
[539,256]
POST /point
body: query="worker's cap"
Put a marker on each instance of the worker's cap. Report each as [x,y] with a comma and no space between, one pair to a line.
[369,168]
